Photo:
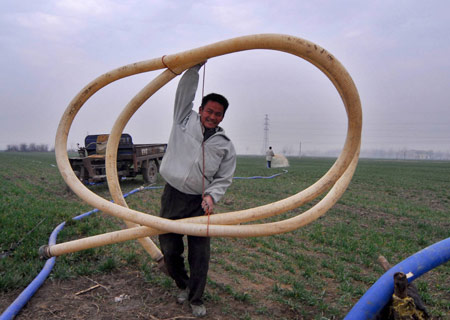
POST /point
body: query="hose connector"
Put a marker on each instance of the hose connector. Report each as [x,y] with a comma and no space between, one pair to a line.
[44,252]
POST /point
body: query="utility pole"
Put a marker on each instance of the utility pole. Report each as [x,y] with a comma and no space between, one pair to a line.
[300,150]
[266,134]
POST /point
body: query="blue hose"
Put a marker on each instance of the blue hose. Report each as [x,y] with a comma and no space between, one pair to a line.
[261,177]
[381,291]
[81,216]
[31,289]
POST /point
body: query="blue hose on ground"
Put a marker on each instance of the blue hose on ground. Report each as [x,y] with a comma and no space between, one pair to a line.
[31,289]
[381,291]
[81,216]
[261,177]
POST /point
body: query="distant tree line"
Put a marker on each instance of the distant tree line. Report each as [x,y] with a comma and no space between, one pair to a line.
[405,154]
[396,154]
[23,147]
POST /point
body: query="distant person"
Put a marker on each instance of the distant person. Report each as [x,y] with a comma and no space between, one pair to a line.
[269,156]
[198,167]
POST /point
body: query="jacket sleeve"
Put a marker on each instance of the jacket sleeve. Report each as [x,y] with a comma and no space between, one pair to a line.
[224,176]
[185,95]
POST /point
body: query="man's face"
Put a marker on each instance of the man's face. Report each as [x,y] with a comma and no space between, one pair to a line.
[211,114]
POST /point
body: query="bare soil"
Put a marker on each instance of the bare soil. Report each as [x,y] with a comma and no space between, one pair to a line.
[125,295]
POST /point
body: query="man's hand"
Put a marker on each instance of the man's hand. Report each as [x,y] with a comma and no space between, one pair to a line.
[208,204]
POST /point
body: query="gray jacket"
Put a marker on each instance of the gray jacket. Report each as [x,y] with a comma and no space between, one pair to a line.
[183,162]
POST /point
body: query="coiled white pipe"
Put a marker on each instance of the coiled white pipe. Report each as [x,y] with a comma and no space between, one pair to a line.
[337,178]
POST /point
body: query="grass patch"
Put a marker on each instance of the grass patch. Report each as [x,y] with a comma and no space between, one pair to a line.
[391,208]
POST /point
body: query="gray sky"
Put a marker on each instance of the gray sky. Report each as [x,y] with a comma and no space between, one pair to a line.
[397,53]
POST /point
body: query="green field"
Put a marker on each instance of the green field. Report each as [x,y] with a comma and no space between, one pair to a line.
[391,208]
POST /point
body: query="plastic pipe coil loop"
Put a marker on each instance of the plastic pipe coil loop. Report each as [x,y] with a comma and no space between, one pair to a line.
[143,225]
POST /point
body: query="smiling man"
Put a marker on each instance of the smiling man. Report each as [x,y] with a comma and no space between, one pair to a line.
[198,167]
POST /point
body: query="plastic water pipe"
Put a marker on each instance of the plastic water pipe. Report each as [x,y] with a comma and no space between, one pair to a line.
[31,289]
[381,291]
[339,174]
[81,216]
[261,177]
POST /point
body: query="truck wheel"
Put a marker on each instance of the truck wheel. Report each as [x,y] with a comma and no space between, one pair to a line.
[149,172]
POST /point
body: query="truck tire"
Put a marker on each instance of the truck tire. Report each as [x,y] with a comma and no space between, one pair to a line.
[149,172]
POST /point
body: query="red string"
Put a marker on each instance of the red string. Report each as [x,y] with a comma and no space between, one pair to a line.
[165,65]
[203,86]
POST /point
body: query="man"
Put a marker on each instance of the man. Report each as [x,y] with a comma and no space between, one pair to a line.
[200,160]
[269,156]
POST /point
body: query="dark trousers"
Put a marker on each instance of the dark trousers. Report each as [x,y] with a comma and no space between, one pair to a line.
[269,164]
[178,205]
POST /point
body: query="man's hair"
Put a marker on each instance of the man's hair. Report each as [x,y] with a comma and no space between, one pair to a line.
[216,98]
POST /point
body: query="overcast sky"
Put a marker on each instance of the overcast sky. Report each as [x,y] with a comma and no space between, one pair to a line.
[397,53]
